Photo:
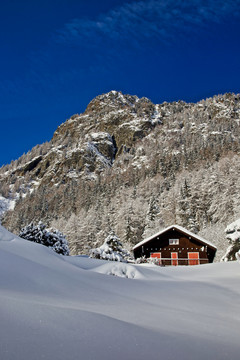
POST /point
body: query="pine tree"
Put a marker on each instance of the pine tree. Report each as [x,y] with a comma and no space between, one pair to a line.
[112,249]
[233,236]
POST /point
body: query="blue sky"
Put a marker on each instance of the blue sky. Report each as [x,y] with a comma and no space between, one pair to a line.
[57,55]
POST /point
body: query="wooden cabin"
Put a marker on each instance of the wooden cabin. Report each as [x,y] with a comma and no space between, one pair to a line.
[176,245]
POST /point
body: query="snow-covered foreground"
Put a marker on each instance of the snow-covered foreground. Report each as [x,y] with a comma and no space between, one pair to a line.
[55,307]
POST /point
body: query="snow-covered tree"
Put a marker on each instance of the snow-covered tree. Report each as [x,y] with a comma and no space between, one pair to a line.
[233,236]
[51,238]
[238,255]
[112,249]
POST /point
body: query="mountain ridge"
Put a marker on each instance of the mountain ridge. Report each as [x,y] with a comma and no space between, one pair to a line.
[128,165]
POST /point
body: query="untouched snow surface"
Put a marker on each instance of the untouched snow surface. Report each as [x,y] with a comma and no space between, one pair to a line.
[66,308]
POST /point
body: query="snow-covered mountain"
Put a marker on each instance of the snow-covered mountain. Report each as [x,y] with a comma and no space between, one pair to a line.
[133,167]
[61,307]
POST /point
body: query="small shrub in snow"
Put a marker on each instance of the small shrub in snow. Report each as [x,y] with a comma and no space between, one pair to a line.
[233,236]
[144,260]
[112,249]
[141,260]
[51,238]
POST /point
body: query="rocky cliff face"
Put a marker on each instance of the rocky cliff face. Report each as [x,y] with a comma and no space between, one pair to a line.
[131,166]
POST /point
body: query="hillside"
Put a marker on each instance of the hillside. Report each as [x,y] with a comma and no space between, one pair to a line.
[52,307]
[134,167]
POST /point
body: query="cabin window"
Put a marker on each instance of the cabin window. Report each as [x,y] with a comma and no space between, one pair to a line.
[173,241]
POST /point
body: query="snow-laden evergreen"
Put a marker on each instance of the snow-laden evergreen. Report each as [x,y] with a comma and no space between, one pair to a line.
[238,255]
[51,238]
[233,236]
[112,249]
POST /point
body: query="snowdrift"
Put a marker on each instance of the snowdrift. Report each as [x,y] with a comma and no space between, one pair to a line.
[56,307]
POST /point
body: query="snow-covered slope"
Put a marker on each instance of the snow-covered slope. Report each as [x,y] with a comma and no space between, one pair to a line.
[55,307]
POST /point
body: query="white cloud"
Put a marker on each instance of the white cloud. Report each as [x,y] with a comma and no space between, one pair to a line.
[141,20]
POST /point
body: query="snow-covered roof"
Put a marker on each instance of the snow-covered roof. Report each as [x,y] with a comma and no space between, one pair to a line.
[181,229]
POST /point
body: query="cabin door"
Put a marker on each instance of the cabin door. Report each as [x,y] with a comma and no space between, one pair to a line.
[174,258]
[193,258]
[156,255]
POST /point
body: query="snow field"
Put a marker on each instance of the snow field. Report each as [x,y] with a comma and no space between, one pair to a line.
[65,308]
